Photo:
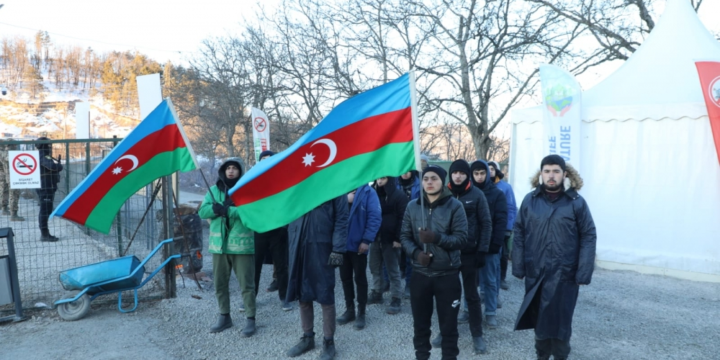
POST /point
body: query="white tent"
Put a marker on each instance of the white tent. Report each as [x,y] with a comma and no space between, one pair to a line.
[648,159]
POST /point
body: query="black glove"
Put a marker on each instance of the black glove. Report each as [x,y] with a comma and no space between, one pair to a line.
[336,259]
[228,202]
[480,259]
[494,248]
[424,259]
[427,236]
[219,209]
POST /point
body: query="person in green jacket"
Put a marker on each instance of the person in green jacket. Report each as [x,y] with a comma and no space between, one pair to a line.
[231,245]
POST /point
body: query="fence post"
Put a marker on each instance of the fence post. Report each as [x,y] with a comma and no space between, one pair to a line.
[67,168]
[87,171]
[168,215]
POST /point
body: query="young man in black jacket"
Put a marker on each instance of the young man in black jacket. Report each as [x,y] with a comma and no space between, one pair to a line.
[490,273]
[433,232]
[473,254]
[387,247]
[50,169]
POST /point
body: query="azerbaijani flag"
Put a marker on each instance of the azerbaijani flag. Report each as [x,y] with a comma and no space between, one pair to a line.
[157,147]
[368,136]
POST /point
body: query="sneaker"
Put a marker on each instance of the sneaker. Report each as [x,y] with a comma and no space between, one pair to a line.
[273,286]
[328,352]
[437,341]
[286,306]
[479,345]
[249,329]
[375,297]
[504,285]
[306,344]
[48,238]
[464,317]
[346,317]
[394,306]
[242,307]
[491,321]
[224,322]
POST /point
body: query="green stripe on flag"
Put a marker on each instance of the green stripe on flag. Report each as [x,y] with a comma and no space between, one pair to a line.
[163,164]
[284,207]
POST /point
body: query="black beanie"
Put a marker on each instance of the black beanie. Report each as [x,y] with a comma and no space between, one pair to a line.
[460,165]
[266,153]
[436,169]
[553,160]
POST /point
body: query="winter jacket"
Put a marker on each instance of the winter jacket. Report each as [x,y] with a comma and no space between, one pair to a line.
[478,218]
[311,239]
[393,205]
[507,189]
[447,219]
[554,250]
[496,203]
[413,189]
[49,170]
[364,219]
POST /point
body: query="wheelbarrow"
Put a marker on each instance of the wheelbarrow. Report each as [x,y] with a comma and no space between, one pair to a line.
[106,277]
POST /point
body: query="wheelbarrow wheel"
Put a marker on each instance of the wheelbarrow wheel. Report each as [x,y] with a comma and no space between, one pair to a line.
[75,310]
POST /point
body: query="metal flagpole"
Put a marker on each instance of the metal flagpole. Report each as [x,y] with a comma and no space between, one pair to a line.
[416,142]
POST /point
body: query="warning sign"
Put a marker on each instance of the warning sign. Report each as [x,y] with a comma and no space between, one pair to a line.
[24,172]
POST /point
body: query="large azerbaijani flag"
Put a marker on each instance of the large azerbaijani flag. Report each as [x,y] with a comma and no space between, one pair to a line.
[155,148]
[371,135]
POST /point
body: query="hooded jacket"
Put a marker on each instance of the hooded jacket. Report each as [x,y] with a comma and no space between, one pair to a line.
[446,217]
[365,218]
[49,168]
[507,189]
[554,250]
[414,187]
[496,203]
[478,217]
[228,235]
[393,203]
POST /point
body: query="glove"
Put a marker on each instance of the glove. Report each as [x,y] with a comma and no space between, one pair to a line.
[219,209]
[427,236]
[424,259]
[228,202]
[336,259]
[494,248]
[480,259]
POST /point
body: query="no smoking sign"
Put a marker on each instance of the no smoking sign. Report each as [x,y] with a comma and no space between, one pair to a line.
[260,124]
[24,173]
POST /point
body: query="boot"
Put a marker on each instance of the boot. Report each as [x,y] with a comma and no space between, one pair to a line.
[437,341]
[347,316]
[307,343]
[375,297]
[328,352]
[45,236]
[249,329]
[16,217]
[542,355]
[394,306]
[5,210]
[224,322]
[360,321]
[479,345]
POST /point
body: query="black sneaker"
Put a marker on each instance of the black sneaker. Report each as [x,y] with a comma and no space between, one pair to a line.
[375,298]
[346,317]
[479,345]
[306,344]
[394,306]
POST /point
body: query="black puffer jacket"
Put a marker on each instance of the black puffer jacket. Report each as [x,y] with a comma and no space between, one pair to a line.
[446,218]
[554,250]
[49,168]
[496,202]
[478,218]
[393,203]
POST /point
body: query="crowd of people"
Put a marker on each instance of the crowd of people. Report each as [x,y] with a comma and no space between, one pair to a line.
[449,236]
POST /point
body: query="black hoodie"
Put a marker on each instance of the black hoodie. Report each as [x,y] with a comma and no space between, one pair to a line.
[393,203]
[497,204]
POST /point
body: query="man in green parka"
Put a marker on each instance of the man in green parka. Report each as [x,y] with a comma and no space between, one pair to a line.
[232,246]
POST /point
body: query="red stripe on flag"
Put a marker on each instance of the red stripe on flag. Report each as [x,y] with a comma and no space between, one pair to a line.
[168,138]
[358,138]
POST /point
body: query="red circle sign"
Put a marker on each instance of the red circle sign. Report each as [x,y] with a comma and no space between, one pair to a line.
[23,164]
[259,124]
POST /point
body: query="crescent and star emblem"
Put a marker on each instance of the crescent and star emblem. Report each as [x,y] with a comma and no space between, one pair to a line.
[132,158]
[308,159]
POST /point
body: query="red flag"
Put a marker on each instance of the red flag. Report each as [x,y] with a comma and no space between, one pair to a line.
[709,72]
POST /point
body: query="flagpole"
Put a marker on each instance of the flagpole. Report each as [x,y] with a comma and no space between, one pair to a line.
[416,142]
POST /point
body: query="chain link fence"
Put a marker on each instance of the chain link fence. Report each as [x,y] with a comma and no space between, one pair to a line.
[39,263]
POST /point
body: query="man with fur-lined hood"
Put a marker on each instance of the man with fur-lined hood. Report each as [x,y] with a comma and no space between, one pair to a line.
[554,251]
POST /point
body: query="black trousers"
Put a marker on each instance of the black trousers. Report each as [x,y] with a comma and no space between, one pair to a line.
[504,256]
[559,349]
[46,197]
[446,292]
[354,265]
[276,243]
[469,274]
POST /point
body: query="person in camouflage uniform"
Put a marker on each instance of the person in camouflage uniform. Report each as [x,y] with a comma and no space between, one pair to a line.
[10,197]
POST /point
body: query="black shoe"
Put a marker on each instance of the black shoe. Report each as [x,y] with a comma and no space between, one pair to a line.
[249,329]
[375,298]
[346,317]
[437,341]
[328,352]
[504,285]
[273,286]
[394,306]
[224,322]
[360,321]
[306,344]
[479,345]
[48,238]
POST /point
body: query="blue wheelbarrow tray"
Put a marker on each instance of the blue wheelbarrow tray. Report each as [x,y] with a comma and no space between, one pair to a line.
[86,276]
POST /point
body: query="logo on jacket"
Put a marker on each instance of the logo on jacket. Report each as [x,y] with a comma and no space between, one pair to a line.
[456,303]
